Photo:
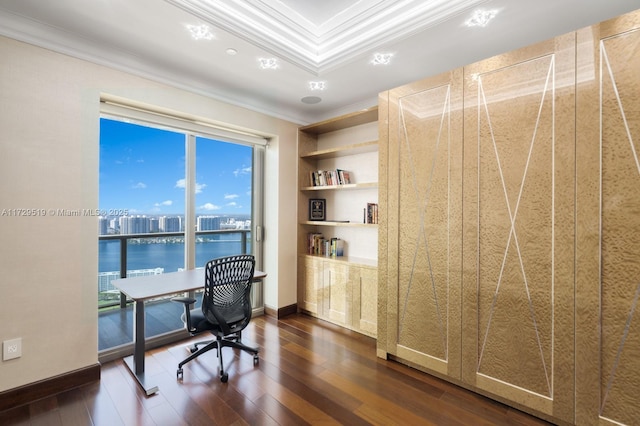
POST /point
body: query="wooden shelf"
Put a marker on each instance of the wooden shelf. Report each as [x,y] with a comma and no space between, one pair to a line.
[344,224]
[363,185]
[352,260]
[349,120]
[342,151]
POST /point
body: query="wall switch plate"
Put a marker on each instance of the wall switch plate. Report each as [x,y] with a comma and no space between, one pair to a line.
[12,349]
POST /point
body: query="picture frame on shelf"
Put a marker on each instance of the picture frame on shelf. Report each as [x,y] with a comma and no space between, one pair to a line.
[317,209]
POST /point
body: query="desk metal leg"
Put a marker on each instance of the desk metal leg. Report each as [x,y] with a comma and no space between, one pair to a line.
[136,361]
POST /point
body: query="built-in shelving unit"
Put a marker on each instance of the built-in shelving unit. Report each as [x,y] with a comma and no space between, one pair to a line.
[341,289]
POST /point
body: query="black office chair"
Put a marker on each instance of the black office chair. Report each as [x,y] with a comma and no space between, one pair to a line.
[226,308]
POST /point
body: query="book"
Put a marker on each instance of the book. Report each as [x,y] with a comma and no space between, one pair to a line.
[315,243]
[337,247]
[329,177]
[371,213]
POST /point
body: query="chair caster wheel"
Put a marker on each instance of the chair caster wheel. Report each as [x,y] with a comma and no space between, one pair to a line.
[179,374]
[256,360]
[193,349]
[224,378]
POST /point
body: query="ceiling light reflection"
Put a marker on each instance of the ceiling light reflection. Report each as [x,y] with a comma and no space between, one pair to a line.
[317,85]
[481,18]
[200,32]
[381,58]
[268,63]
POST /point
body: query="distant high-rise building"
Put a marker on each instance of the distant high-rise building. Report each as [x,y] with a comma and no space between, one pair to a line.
[170,223]
[154,224]
[134,225]
[123,225]
[103,225]
[209,223]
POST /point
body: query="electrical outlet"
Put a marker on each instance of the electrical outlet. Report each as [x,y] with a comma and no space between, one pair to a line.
[12,349]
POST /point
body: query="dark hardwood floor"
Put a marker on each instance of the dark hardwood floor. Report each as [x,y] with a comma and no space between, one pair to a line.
[310,372]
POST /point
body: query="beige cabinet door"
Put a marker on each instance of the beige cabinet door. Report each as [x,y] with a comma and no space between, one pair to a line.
[420,194]
[519,179]
[310,282]
[363,281]
[608,263]
[336,293]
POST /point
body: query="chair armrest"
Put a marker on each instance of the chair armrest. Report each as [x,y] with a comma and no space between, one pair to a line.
[186,301]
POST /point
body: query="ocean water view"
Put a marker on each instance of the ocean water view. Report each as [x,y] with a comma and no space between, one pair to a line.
[168,254]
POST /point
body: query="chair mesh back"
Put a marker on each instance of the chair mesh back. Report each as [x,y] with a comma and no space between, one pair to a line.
[227,290]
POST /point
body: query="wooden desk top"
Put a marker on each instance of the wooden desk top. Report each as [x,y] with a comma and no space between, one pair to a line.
[150,286]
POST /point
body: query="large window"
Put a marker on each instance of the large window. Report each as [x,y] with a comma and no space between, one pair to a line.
[223,198]
[171,197]
[141,171]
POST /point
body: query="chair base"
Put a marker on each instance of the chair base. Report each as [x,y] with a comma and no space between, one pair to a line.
[232,341]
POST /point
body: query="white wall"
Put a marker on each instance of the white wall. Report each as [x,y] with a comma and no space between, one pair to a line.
[49,153]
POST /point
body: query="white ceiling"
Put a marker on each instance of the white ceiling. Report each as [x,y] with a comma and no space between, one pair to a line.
[314,40]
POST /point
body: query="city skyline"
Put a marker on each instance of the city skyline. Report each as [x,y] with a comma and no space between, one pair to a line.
[142,224]
[142,171]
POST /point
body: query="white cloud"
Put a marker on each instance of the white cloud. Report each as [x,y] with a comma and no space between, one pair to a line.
[181,183]
[232,204]
[209,207]
[139,185]
[164,203]
[242,171]
[230,196]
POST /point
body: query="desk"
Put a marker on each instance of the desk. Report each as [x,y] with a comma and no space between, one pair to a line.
[148,287]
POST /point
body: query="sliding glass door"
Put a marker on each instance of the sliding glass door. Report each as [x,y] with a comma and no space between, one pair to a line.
[169,199]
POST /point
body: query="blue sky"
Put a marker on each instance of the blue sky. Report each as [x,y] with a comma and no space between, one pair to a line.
[142,169]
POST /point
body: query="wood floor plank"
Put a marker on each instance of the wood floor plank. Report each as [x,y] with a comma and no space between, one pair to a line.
[309,372]
[124,398]
[100,406]
[287,393]
[385,408]
[19,416]
[73,411]
[404,393]
[279,413]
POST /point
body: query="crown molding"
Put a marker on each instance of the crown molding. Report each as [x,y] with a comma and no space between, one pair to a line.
[355,31]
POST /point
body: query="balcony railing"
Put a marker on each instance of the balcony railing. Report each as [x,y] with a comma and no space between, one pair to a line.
[138,252]
[221,241]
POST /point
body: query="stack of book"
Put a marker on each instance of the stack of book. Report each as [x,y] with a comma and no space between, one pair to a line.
[371,213]
[330,177]
[315,243]
[318,245]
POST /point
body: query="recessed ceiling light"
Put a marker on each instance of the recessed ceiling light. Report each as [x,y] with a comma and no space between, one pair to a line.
[381,58]
[311,100]
[268,63]
[231,51]
[200,32]
[317,85]
[481,18]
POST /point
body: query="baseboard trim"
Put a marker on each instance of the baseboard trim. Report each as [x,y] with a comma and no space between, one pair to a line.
[34,391]
[282,312]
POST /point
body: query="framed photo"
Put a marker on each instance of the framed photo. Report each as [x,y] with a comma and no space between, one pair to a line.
[317,208]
